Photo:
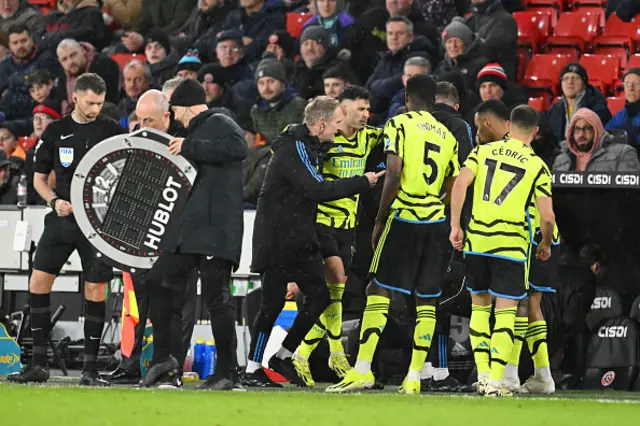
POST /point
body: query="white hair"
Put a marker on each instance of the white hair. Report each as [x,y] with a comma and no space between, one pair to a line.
[136,63]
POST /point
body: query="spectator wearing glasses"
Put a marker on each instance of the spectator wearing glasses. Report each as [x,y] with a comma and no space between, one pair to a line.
[589,148]
[577,93]
[231,55]
[628,118]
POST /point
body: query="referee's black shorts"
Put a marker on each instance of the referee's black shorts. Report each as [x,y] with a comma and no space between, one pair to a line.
[543,274]
[412,258]
[60,238]
[336,242]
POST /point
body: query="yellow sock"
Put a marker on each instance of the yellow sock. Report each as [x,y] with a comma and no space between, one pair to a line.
[519,333]
[333,318]
[502,341]
[480,337]
[537,342]
[373,322]
[313,337]
[425,325]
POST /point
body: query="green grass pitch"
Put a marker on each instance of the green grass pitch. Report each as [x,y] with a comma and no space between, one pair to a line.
[70,406]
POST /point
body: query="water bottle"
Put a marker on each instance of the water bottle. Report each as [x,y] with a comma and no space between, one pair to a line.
[22,191]
[210,358]
[198,357]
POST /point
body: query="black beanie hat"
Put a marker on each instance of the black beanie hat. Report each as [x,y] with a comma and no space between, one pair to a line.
[188,93]
[635,71]
[283,39]
[160,37]
[575,68]
[213,73]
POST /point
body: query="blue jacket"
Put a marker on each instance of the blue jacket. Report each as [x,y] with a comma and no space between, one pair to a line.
[258,26]
[16,102]
[628,119]
[336,31]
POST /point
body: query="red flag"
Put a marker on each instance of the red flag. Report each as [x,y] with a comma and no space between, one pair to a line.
[130,316]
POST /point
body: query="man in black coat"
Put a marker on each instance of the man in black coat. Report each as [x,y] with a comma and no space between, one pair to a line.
[285,244]
[152,110]
[209,235]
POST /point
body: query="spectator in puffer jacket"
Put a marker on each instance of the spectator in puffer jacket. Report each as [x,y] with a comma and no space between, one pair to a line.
[496,34]
[13,12]
[257,20]
[331,16]
[279,104]
[457,38]
[25,58]
[316,57]
[81,20]
[577,93]
[386,79]
[628,118]
[589,148]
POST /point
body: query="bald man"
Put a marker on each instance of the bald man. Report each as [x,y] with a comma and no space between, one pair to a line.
[79,58]
[153,112]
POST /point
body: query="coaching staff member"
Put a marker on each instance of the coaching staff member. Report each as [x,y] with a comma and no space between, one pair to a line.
[285,244]
[210,234]
[153,112]
[62,145]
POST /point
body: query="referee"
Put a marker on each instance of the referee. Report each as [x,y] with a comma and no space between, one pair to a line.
[209,236]
[285,243]
[61,147]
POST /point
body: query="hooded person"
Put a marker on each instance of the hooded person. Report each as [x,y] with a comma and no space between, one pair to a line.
[279,104]
[577,93]
[209,235]
[332,16]
[589,148]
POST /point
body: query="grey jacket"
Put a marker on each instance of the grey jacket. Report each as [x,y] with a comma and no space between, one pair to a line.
[28,15]
[613,155]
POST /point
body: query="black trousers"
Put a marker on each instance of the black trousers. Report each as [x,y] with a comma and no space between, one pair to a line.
[215,277]
[311,281]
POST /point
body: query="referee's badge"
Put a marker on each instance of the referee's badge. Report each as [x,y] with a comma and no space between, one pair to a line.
[66,156]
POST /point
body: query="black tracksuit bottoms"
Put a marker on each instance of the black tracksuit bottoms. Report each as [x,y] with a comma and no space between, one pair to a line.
[310,279]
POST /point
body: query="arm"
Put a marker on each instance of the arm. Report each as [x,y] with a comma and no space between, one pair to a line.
[91,30]
[224,149]
[628,160]
[36,24]
[385,88]
[293,162]
[391,186]
[547,218]
[41,185]
[459,194]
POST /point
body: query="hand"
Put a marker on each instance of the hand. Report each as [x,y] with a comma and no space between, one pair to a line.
[175,146]
[377,231]
[456,237]
[132,41]
[63,208]
[247,41]
[373,177]
[292,291]
[543,252]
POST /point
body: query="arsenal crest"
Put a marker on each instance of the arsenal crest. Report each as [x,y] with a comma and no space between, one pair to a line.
[132,192]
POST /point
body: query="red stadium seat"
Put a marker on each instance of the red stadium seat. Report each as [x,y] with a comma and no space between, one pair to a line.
[533,29]
[295,23]
[553,14]
[123,59]
[575,31]
[543,72]
[615,104]
[634,62]
[48,3]
[26,142]
[573,4]
[559,5]
[603,70]
[614,51]
[539,103]
[620,34]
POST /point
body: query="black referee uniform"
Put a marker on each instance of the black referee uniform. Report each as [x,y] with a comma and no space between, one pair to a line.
[62,145]
[285,244]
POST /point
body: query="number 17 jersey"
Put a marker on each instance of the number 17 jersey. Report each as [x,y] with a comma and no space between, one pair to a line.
[429,154]
[509,175]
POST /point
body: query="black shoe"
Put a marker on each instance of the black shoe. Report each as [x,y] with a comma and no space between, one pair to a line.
[216,382]
[259,379]
[123,376]
[92,378]
[285,368]
[159,371]
[32,373]
[171,381]
[449,384]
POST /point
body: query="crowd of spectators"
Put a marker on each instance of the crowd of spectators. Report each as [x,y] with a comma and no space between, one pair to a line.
[252,61]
